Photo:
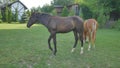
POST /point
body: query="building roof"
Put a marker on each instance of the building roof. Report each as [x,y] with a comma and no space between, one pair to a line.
[61,6]
[19,2]
[58,6]
[9,4]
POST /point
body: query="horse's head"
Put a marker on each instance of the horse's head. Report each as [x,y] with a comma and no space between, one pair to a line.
[38,17]
[33,19]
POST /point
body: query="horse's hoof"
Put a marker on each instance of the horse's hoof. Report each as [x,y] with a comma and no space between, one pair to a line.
[94,46]
[52,56]
[72,50]
[81,53]
[84,41]
[88,49]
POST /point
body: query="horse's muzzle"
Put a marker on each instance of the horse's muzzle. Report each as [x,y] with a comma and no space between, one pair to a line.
[28,26]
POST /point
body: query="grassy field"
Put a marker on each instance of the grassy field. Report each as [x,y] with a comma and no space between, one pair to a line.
[21,47]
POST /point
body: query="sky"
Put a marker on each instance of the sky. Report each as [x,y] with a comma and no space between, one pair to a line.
[35,3]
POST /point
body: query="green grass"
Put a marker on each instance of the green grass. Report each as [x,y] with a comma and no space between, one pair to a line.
[21,47]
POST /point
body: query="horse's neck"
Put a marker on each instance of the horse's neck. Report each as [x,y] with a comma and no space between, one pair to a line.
[44,20]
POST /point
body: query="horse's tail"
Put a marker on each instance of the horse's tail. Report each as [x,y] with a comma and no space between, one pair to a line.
[94,26]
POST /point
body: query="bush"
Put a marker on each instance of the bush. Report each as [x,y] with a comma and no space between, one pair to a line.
[71,13]
[117,24]
[102,18]
[0,21]
[0,17]
[54,12]
[86,12]
[65,12]
[24,18]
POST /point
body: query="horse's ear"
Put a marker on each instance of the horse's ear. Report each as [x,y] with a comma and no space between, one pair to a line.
[32,13]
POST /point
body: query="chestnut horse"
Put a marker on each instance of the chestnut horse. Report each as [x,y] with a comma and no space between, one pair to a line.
[56,24]
[90,28]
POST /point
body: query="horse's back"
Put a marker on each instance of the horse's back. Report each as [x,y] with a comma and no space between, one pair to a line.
[65,24]
[66,20]
[89,24]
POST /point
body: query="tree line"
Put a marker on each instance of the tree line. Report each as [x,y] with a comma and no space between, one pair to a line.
[6,14]
[103,11]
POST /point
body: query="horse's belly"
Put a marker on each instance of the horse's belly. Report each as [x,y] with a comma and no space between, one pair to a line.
[64,29]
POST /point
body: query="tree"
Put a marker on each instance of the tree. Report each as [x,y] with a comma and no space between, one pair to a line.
[102,10]
[15,15]
[9,20]
[38,9]
[71,13]
[62,2]
[33,9]
[0,17]
[86,11]
[28,13]
[5,14]
[54,12]
[65,12]
[47,8]
[24,18]
[111,8]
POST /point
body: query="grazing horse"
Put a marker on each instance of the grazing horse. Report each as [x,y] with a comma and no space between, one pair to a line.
[56,24]
[90,28]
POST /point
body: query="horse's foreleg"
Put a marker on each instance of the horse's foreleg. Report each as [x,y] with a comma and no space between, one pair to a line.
[55,47]
[49,45]
[76,40]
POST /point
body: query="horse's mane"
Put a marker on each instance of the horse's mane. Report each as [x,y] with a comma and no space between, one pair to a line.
[41,14]
[42,17]
[45,14]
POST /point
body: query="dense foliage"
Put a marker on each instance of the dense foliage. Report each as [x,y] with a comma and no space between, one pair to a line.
[65,12]
[102,10]
[47,8]
[62,2]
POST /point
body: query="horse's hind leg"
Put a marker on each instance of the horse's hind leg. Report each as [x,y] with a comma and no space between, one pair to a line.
[81,39]
[89,43]
[76,40]
[93,39]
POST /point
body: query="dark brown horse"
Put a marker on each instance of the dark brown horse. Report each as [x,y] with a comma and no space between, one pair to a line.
[56,24]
